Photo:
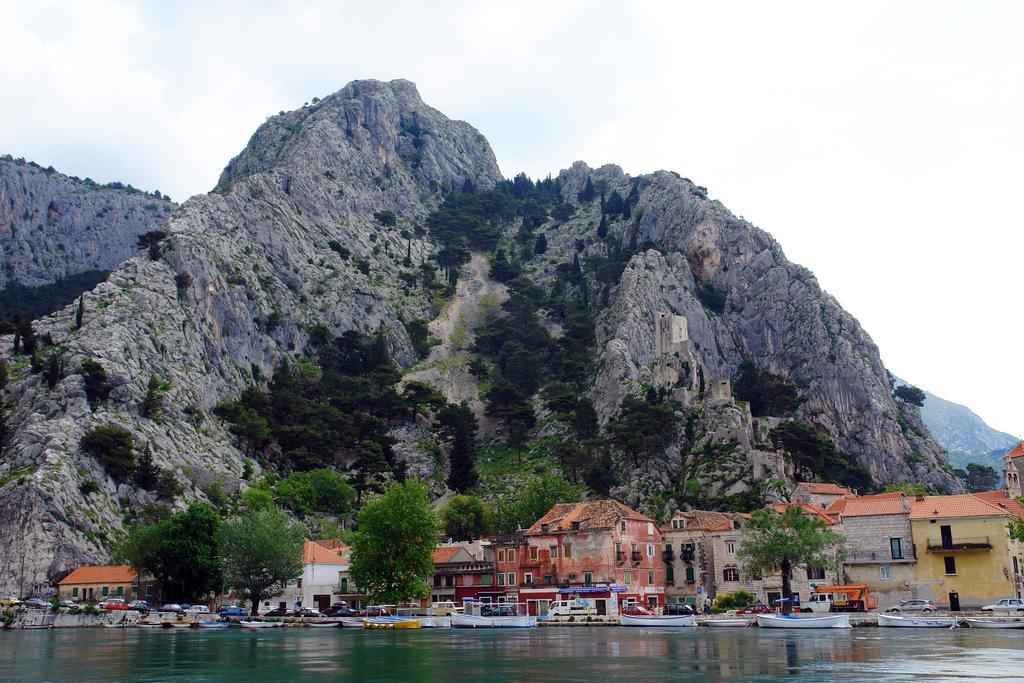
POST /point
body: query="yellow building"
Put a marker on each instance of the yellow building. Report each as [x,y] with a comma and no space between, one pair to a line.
[964,553]
[99,583]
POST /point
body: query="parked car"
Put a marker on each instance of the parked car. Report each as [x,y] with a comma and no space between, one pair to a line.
[341,611]
[279,612]
[1005,605]
[69,604]
[756,608]
[37,603]
[9,601]
[913,606]
[140,606]
[113,604]
[197,609]
[309,612]
[232,611]
[172,607]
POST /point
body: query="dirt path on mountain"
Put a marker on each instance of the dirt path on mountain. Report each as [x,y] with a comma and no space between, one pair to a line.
[447,366]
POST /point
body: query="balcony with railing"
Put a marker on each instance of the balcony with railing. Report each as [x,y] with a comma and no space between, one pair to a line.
[635,556]
[668,556]
[620,556]
[880,557]
[950,545]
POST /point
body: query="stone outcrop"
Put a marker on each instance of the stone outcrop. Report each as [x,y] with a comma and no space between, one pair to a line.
[52,226]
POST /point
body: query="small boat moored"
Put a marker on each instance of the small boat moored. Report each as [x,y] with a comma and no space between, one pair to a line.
[894,621]
[260,624]
[728,623]
[841,620]
[993,623]
[323,624]
[390,623]
[485,615]
[214,624]
[637,615]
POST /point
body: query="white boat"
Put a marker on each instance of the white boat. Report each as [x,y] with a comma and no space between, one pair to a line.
[993,623]
[182,624]
[323,624]
[635,615]
[796,621]
[149,624]
[485,615]
[213,624]
[260,624]
[728,623]
[895,621]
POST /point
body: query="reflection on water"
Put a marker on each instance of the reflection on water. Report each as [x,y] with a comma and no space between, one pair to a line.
[566,654]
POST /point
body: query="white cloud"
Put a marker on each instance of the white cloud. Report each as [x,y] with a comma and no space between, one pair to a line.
[879,142]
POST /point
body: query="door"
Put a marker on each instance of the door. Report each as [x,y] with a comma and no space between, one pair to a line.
[947,536]
[954,602]
[323,602]
[602,607]
[652,601]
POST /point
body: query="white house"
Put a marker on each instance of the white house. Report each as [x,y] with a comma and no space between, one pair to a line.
[321,582]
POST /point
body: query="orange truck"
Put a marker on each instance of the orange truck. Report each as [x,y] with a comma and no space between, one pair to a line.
[850,598]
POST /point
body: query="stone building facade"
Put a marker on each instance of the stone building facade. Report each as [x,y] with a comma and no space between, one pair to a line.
[880,547]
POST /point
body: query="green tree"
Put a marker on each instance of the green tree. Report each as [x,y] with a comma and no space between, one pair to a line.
[153,401]
[766,392]
[114,448]
[261,552]
[538,496]
[457,426]
[642,429]
[541,245]
[180,552]
[97,388]
[779,542]
[501,269]
[909,395]
[80,313]
[392,549]
[587,194]
[465,518]
[978,477]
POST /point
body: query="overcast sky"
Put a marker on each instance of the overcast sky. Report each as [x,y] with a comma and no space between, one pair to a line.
[880,143]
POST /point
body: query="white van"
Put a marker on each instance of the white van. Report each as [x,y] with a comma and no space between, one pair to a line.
[580,607]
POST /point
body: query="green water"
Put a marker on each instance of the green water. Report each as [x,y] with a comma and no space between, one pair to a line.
[595,655]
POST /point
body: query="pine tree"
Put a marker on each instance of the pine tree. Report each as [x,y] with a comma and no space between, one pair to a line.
[542,244]
[54,370]
[587,194]
[458,427]
[3,373]
[28,339]
[80,312]
[146,474]
[602,227]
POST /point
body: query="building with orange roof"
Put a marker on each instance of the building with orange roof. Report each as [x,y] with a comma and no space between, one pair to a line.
[600,551]
[95,583]
[880,551]
[463,570]
[965,557]
[324,580]
[689,553]
[820,495]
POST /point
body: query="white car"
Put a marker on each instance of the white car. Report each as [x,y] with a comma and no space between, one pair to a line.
[1005,605]
[197,609]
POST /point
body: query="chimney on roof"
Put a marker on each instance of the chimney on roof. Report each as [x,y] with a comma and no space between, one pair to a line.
[919,498]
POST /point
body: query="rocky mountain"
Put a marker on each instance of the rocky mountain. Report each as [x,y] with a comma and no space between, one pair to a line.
[964,435]
[320,227]
[53,226]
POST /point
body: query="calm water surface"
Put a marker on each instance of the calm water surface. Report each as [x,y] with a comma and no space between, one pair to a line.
[595,655]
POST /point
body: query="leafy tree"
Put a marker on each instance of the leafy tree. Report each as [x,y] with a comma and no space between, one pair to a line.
[181,552]
[538,496]
[978,477]
[457,426]
[712,297]
[642,429]
[465,518]
[262,552]
[737,600]
[909,395]
[815,452]
[97,388]
[392,549]
[772,542]
[386,218]
[322,490]
[114,448]
[766,392]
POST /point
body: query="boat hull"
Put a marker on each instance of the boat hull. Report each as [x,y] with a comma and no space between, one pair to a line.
[993,623]
[892,621]
[260,624]
[323,624]
[779,621]
[390,623]
[657,620]
[474,621]
[213,624]
[728,623]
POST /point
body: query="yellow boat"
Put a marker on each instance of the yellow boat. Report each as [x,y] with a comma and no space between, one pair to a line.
[390,623]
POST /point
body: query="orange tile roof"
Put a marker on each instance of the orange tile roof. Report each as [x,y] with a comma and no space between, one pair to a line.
[445,553]
[963,505]
[702,520]
[1018,452]
[595,514]
[824,489]
[999,497]
[314,553]
[871,506]
[113,574]
[807,508]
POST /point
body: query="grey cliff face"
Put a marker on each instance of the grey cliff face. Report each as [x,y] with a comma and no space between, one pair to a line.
[289,241]
[52,226]
[246,272]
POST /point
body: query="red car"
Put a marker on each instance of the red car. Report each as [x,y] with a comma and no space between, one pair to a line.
[756,608]
[114,603]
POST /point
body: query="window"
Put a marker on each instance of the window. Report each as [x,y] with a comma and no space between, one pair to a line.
[485,579]
[650,550]
[567,551]
[689,575]
[120,591]
[533,552]
[627,576]
[528,578]
[814,573]
[344,584]
[622,526]
[511,580]
[650,577]
[650,528]
[501,579]
[511,555]
[74,592]
[575,526]
[501,556]
[105,591]
[549,580]
[896,548]
[300,583]
[553,552]
[731,574]
[437,580]
[1016,567]
[730,547]
[950,565]
[885,572]
[670,575]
